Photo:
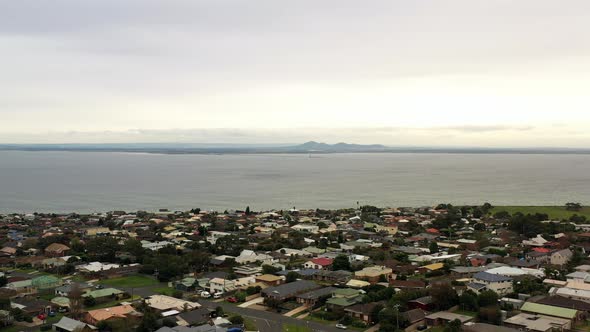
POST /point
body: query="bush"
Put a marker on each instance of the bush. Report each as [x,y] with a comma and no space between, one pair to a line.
[241,296]
[346,320]
[239,320]
[359,323]
[177,294]
[45,328]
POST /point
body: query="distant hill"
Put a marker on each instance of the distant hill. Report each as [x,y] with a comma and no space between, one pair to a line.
[308,147]
[313,146]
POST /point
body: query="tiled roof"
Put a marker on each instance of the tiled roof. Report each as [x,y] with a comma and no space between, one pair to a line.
[490,277]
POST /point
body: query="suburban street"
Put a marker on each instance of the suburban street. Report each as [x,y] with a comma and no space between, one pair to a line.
[268,321]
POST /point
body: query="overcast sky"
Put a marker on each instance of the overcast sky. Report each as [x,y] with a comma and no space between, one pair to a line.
[396,72]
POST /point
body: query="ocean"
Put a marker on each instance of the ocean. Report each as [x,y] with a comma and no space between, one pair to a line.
[105,181]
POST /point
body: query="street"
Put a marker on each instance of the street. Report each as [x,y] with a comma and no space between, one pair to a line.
[268,321]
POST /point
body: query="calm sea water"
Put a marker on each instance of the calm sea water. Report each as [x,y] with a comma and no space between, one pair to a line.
[87,181]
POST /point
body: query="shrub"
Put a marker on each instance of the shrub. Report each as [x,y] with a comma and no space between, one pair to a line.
[237,320]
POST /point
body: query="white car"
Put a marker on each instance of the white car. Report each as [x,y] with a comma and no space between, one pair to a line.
[205,294]
[341,326]
[218,295]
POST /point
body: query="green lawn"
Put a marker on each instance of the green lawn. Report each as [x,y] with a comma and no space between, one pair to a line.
[554,212]
[295,328]
[130,281]
[249,325]
[113,303]
[164,290]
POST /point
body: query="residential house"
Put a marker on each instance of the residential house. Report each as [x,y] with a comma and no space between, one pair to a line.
[374,274]
[66,324]
[163,303]
[407,284]
[270,280]
[319,263]
[290,290]
[363,311]
[220,285]
[56,250]
[425,303]
[316,297]
[194,317]
[552,311]
[67,288]
[336,277]
[186,284]
[487,281]
[105,295]
[561,257]
[343,298]
[537,323]
[444,317]
[125,311]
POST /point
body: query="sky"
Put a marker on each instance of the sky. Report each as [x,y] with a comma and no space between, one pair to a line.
[494,73]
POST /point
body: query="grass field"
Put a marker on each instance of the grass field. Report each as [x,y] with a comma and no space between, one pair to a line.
[131,281]
[554,212]
[164,290]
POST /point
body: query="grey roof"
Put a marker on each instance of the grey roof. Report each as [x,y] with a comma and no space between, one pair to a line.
[69,324]
[196,316]
[302,272]
[468,269]
[291,289]
[316,294]
[489,277]
[475,285]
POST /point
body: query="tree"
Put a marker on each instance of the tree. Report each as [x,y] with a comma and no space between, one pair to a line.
[3,281]
[573,206]
[433,247]
[149,322]
[229,245]
[269,269]
[292,276]
[454,326]
[89,301]
[375,313]
[468,301]
[341,262]
[488,297]
[4,303]
[444,295]
[247,210]
[103,248]
[76,301]
[491,315]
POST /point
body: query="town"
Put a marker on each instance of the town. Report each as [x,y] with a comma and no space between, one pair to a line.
[435,268]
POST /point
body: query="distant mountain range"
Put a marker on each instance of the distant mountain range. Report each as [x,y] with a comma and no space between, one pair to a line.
[308,147]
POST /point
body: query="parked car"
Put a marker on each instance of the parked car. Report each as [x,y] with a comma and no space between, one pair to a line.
[218,295]
[205,294]
[422,327]
[341,326]
[232,299]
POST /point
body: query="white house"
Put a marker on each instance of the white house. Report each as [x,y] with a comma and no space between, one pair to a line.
[483,281]
[561,257]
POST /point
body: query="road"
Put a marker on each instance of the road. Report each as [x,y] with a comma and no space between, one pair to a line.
[269,321]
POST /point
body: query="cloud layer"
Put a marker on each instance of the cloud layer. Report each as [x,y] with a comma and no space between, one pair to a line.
[458,72]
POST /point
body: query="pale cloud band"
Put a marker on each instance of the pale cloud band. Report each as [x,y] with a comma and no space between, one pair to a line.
[397,72]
